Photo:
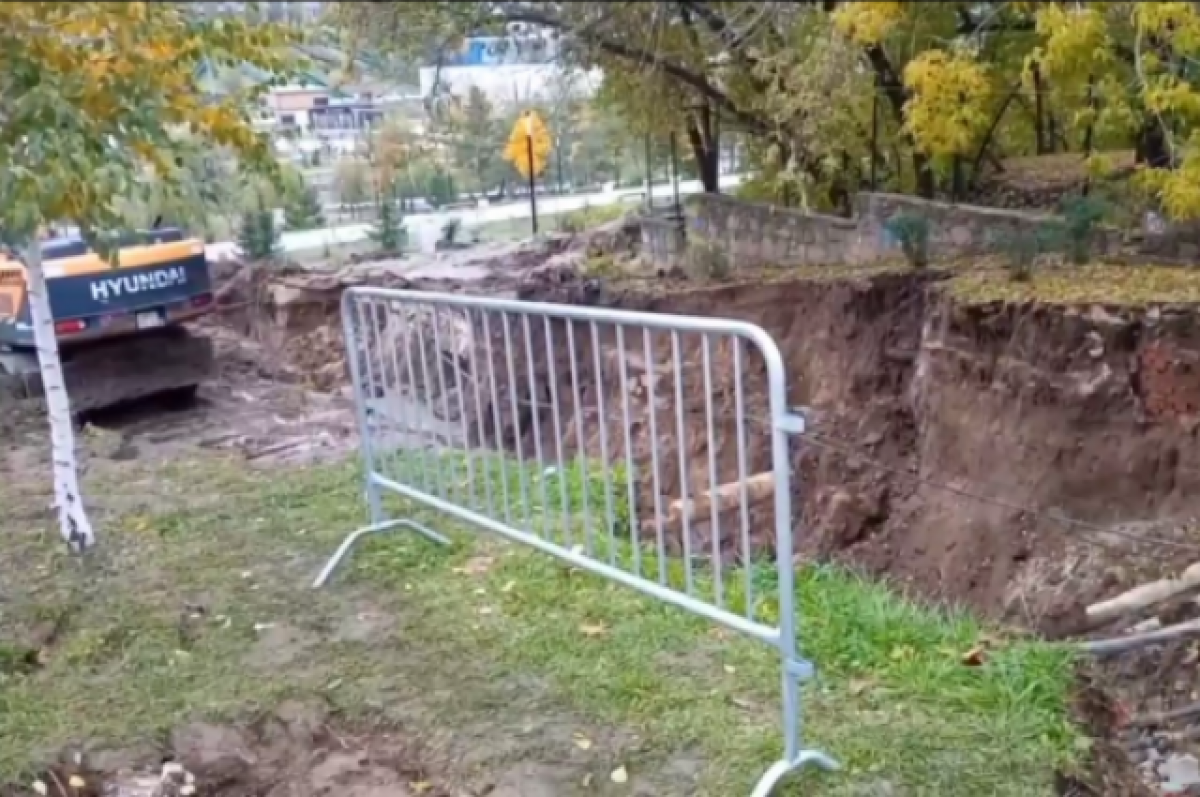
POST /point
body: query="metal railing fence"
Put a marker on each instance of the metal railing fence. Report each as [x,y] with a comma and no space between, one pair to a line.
[648,449]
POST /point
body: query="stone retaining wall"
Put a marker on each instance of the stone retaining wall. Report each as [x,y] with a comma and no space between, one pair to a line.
[663,241]
[760,235]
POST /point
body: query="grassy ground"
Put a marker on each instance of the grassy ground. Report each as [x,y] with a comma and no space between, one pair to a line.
[984,280]
[197,603]
[1095,283]
[571,221]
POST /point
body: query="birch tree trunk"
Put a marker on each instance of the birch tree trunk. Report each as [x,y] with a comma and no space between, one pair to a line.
[74,525]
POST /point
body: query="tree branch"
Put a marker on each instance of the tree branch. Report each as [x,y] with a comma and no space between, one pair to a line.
[977,162]
[699,83]
[716,23]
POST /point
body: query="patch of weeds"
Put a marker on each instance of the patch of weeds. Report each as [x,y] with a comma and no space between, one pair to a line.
[912,231]
[587,217]
[16,659]
[602,266]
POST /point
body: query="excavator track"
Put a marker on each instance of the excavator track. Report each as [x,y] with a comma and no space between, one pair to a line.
[111,373]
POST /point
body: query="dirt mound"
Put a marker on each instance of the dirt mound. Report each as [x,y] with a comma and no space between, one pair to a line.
[296,751]
[293,313]
[1041,182]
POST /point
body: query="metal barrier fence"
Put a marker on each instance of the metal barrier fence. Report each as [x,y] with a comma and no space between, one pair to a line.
[568,428]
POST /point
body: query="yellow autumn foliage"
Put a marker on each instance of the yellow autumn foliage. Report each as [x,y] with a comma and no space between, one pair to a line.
[947,110]
[868,23]
[516,152]
[815,94]
[94,93]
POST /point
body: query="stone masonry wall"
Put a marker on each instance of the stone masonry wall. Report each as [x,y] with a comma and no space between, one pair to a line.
[760,235]
[663,241]
[765,235]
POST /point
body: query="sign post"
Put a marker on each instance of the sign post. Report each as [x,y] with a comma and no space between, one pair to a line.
[532,176]
[528,151]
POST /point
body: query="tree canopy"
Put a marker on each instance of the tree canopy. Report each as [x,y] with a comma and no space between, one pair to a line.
[939,92]
[101,104]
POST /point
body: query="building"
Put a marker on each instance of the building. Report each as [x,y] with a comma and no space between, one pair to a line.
[515,68]
[302,13]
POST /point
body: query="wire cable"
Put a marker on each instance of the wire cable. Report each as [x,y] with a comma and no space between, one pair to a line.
[822,441]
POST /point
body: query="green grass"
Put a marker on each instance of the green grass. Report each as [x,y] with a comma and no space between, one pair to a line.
[506,230]
[893,700]
[1090,284]
[986,279]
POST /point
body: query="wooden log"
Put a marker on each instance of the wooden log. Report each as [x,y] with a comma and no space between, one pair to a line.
[1143,596]
[728,496]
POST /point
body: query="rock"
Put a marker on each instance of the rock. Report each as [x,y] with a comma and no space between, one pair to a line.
[201,745]
[1101,317]
[1180,774]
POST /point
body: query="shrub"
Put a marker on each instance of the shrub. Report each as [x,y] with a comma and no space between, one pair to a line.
[1021,248]
[912,231]
[389,232]
[258,236]
[303,209]
[1082,215]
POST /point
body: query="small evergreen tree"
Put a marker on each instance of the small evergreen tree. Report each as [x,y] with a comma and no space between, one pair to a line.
[440,190]
[303,210]
[257,236]
[389,230]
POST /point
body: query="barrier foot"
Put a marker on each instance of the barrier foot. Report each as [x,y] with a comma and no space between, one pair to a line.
[781,769]
[343,550]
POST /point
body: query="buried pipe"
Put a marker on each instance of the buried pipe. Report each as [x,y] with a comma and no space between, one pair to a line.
[757,488]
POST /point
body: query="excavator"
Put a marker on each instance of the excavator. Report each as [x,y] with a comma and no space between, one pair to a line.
[120,321]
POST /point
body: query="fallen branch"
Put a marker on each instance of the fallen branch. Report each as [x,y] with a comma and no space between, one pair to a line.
[1143,596]
[1103,647]
[758,488]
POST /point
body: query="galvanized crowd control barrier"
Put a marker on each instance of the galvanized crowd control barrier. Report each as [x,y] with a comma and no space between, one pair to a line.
[601,416]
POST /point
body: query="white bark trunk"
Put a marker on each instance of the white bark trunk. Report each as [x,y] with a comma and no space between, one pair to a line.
[73,520]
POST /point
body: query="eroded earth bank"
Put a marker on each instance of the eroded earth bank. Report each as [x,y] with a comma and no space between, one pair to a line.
[1022,459]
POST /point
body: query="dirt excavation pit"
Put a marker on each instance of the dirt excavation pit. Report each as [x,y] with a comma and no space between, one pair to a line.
[296,751]
[918,408]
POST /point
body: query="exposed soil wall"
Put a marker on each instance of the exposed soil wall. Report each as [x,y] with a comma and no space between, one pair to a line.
[1013,458]
[1085,413]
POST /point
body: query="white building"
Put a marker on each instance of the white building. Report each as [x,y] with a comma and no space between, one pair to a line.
[296,13]
[507,69]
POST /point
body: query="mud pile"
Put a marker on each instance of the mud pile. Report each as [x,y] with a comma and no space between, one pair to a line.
[296,311]
[295,751]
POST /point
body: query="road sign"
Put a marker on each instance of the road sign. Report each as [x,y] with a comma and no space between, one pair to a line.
[529,141]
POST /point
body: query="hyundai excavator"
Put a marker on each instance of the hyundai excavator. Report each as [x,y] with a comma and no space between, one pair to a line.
[120,322]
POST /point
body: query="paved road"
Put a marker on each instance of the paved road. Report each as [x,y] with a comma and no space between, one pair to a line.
[424,228]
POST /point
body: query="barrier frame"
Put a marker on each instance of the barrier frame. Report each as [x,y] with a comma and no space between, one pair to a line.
[784,423]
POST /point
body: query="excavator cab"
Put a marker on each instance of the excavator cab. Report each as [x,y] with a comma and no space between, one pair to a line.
[119,322]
